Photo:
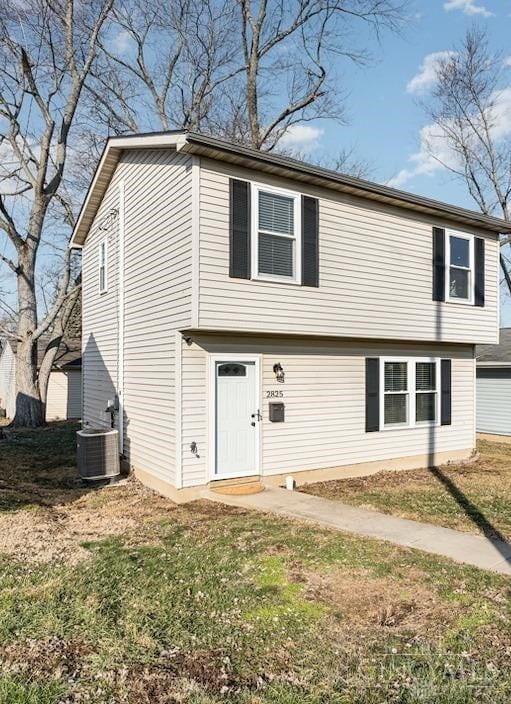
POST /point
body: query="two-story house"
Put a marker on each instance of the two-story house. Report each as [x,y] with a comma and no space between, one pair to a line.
[254,315]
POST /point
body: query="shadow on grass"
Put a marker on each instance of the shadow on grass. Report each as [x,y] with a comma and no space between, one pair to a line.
[38,467]
[490,532]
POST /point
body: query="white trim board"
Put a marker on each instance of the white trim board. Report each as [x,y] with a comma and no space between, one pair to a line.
[120,316]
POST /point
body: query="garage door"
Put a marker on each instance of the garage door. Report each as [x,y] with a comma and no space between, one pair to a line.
[493,400]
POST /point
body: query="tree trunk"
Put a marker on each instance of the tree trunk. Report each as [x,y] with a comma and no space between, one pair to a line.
[30,410]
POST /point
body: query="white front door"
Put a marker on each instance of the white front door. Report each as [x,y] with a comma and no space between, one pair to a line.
[237,418]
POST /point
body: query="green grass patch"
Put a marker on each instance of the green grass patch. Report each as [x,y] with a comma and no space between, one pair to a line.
[14,690]
[208,605]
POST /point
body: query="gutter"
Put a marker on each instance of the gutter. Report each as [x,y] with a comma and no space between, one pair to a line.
[194,143]
[361,186]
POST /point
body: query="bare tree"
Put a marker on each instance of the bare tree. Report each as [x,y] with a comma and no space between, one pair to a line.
[300,40]
[466,111]
[72,72]
[247,70]
[47,50]
[163,63]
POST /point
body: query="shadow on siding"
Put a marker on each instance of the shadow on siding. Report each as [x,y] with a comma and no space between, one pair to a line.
[98,388]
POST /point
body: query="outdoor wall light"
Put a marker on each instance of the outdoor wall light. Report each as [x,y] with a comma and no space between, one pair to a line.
[279,372]
[107,222]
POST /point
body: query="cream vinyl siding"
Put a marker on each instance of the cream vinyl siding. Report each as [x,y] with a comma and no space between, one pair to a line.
[158,292]
[157,302]
[64,395]
[7,381]
[375,273]
[194,403]
[324,396]
[99,312]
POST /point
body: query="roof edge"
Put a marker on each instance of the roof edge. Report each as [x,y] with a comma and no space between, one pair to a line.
[489,222]
[114,147]
[186,141]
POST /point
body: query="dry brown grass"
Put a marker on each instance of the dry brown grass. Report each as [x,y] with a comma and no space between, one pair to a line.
[118,595]
[473,497]
[49,514]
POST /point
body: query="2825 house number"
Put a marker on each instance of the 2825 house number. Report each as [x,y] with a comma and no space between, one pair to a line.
[278,393]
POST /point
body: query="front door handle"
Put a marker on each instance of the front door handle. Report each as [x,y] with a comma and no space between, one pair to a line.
[257,416]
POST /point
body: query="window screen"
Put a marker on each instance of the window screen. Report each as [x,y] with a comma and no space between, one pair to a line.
[395,376]
[395,408]
[425,388]
[460,268]
[275,255]
[276,213]
[425,376]
[395,403]
[276,246]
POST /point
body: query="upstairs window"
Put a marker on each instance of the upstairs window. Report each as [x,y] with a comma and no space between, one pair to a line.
[410,393]
[276,245]
[460,268]
[103,266]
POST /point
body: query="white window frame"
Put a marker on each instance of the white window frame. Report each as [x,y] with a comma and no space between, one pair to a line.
[256,188]
[411,393]
[103,264]
[470,238]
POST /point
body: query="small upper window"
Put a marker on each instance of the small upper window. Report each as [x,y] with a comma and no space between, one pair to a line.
[460,267]
[103,254]
[277,243]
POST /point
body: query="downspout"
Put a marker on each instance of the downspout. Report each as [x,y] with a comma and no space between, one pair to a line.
[120,314]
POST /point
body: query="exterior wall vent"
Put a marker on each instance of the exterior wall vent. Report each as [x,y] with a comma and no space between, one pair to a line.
[98,453]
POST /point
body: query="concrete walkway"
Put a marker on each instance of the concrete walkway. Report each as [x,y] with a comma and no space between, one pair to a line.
[486,553]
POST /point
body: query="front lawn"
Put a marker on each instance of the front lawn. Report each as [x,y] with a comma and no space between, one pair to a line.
[117,596]
[473,497]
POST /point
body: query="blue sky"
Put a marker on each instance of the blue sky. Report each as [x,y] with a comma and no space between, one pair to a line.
[384,116]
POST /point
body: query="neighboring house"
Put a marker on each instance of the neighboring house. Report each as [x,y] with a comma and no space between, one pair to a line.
[494,386]
[64,400]
[253,315]
[7,371]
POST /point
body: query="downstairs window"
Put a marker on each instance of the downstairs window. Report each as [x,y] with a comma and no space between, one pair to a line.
[409,392]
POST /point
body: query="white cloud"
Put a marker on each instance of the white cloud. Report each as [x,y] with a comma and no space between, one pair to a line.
[422,163]
[302,138]
[433,140]
[507,61]
[500,118]
[121,42]
[427,75]
[468,7]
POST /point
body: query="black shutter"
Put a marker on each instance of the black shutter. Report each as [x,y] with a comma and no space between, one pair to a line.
[372,394]
[239,239]
[445,385]
[310,241]
[438,264]
[479,271]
